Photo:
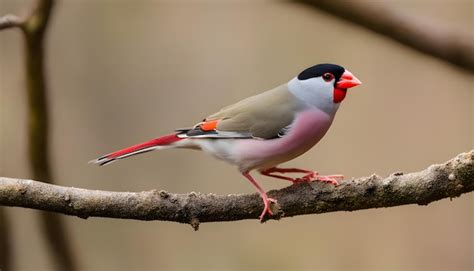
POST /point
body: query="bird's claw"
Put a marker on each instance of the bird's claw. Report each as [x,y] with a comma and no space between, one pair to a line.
[315,177]
[266,209]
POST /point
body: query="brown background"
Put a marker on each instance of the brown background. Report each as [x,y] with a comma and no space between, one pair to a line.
[121,72]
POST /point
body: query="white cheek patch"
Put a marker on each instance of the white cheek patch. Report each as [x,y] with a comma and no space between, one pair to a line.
[315,92]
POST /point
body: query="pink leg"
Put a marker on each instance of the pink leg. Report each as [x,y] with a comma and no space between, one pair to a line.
[277,176]
[288,170]
[310,176]
[269,171]
[265,198]
[315,177]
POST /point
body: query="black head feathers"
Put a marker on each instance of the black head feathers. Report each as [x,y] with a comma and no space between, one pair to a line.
[320,69]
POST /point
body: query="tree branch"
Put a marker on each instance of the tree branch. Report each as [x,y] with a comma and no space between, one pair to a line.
[446,44]
[11,21]
[450,179]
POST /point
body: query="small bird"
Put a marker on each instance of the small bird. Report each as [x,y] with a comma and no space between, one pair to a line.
[265,130]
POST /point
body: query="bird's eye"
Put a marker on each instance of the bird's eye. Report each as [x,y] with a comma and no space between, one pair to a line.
[328,77]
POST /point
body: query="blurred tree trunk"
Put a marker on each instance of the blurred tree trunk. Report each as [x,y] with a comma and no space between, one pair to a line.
[34,29]
[38,129]
[5,242]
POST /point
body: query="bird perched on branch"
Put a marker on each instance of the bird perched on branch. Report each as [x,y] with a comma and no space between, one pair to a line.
[265,130]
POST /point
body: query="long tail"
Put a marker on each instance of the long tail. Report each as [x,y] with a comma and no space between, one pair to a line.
[154,144]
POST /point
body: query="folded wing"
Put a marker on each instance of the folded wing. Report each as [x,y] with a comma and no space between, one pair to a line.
[262,116]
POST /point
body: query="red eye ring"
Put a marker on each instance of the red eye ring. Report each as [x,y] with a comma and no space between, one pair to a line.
[328,77]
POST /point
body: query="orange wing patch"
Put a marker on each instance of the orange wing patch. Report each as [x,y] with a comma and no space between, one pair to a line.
[209,125]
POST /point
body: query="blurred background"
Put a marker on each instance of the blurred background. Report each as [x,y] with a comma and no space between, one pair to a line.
[121,72]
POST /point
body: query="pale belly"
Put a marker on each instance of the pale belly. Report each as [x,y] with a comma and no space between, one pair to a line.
[307,130]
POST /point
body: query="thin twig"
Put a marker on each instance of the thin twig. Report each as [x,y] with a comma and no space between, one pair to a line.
[11,21]
[447,180]
[449,45]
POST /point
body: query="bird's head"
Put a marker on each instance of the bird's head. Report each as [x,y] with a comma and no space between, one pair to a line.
[323,85]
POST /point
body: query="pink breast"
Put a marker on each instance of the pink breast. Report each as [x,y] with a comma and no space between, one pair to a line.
[307,130]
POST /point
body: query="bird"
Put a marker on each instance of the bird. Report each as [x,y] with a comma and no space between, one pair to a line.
[263,131]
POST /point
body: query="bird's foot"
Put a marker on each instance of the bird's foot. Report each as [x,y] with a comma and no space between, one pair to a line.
[315,177]
[266,209]
[263,195]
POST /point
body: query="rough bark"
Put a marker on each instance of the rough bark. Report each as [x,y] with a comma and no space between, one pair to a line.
[438,41]
[447,180]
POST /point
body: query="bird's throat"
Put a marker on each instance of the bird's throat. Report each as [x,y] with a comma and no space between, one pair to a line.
[339,95]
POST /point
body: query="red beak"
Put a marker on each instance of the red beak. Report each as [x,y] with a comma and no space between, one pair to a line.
[348,80]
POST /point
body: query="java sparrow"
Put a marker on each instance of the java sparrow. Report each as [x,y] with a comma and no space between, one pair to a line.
[263,131]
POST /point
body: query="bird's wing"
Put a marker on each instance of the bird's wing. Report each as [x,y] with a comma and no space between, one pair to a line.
[260,116]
